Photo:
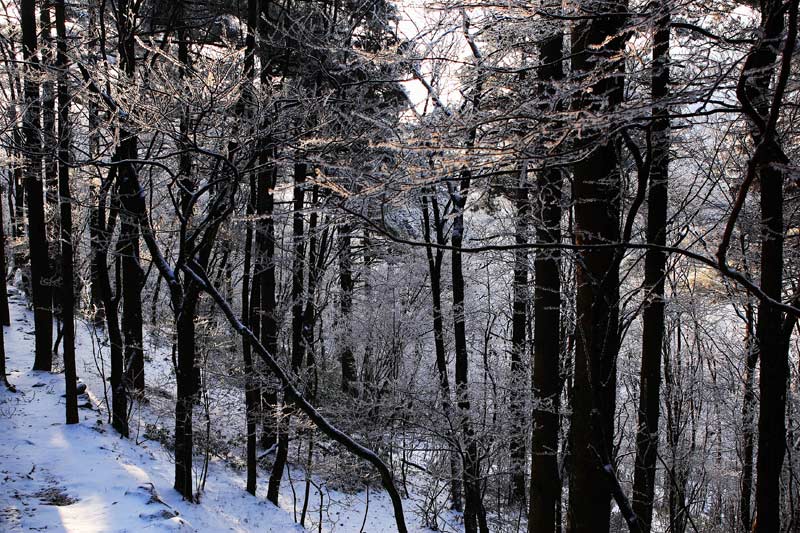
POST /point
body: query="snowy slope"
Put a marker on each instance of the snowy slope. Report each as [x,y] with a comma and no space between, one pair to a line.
[85,479]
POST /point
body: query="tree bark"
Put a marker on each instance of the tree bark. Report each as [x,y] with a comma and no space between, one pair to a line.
[127,151]
[768,164]
[3,289]
[520,375]
[251,392]
[65,201]
[347,358]
[655,263]
[435,272]
[298,347]
[748,425]
[474,513]
[545,497]
[41,294]
[595,43]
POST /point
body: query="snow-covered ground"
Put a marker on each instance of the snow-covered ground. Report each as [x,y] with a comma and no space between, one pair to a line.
[85,478]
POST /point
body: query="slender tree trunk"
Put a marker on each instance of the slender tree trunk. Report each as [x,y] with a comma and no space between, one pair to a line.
[435,272]
[298,347]
[3,290]
[41,294]
[595,42]
[105,232]
[96,288]
[317,251]
[5,316]
[49,146]
[474,514]
[251,392]
[748,422]
[65,201]
[251,389]
[655,263]
[347,358]
[519,372]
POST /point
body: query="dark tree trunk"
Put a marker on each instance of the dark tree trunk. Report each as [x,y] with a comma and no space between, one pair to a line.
[519,372]
[96,286]
[187,372]
[298,347]
[41,294]
[131,294]
[265,244]
[127,150]
[748,422]
[65,201]
[317,252]
[474,513]
[186,381]
[595,42]
[347,358]
[655,262]
[105,232]
[251,392]
[768,164]
[49,145]
[545,497]
[3,290]
[435,272]
[5,316]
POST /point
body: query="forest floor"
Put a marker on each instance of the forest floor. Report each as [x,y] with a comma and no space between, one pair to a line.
[84,478]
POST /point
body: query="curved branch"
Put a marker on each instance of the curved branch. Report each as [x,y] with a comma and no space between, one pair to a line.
[335,434]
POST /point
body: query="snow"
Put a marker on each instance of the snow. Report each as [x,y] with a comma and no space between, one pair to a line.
[85,478]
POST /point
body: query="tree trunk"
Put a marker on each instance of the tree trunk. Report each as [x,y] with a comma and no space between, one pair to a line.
[105,232]
[5,316]
[655,262]
[127,150]
[251,393]
[474,513]
[435,272]
[41,294]
[49,146]
[186,381]
[520,377]
[545,497]
[298,347]
[65,201]
[748,425]
[3,290]
[768,162]
[346,356]
[595,43]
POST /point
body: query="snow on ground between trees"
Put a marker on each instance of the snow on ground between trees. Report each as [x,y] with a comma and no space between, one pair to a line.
[85,478]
